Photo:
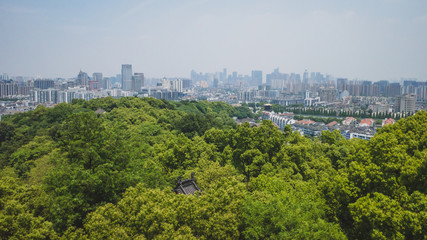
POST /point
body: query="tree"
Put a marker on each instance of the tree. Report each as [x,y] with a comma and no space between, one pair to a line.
[23,158]
[286,212]
[152,213]
[92,171]
[18,212]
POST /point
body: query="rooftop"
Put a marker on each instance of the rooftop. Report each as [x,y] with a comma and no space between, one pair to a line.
[187,186]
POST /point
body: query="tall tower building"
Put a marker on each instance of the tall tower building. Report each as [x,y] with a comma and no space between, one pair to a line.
[342,84]
[392,90]
[96,81]
[106,83]
[127,77]
[166,84]
[177,85]
[82,79]
[256,78]
[138,82]
[328,94]
[44,83]
[97,77]
[305,82]
[4,76]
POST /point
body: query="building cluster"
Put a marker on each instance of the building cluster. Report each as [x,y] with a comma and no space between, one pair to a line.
[383,88]
[310,89]
[168,89]
[53,91]
[349,127]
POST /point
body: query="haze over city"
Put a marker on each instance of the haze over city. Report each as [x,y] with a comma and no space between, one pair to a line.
[373,40]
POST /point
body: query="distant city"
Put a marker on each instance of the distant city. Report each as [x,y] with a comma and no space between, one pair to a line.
[309,89]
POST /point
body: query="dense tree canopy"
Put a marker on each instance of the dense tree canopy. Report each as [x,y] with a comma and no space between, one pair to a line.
[69,173]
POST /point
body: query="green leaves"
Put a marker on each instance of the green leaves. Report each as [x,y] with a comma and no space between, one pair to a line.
[18,216]
[150,213]
[111,176]
[296,212]
[23,158]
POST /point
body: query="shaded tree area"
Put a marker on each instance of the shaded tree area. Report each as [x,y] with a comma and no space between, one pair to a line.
[70,173]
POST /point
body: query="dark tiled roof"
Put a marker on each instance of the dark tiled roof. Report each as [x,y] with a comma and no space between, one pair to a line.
[187,186]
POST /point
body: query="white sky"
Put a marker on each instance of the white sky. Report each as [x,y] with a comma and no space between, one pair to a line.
[365,39]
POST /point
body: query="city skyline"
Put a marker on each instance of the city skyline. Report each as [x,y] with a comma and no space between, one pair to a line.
[369,40]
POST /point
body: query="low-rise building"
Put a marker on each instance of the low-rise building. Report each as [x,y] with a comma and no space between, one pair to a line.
[349,120]
[387,121]
[367,122]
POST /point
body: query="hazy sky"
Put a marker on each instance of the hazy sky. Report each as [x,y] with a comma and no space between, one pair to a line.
[372,39]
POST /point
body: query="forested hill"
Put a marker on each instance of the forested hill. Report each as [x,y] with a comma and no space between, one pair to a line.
[105,169]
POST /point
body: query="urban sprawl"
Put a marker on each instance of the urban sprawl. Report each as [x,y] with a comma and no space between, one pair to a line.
[356,108]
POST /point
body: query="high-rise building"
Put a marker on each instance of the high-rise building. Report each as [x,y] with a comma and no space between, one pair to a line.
[82,79]
[117,80]
[256,78]
[366,88]
[277,84]
[354,88]
[127,77]
[95,82]
[8,88]
[138,82]
[405,103]
[44,83]
[186,83]
[166,84]
[305,80]
[275,75]
[422,93]
[328,94]
[4,76]
[342,84]
[97,77]
[177,85]
[234,77]
[106,83]
[224,74]
[215,83]
[382,85]
[392,90]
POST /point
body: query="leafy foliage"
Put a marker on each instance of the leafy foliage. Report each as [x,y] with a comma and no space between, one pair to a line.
[67,172]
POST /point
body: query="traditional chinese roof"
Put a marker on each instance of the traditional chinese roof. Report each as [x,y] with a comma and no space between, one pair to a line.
[187,186]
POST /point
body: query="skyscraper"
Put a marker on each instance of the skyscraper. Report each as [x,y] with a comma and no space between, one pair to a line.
[305,82]
[106,83]
[177,85]
[342,84]
[82,79]
[382,85]
[137,81]
[44,83]
[256,78]
[392,90]
[97,77]
[4,76]
[96,81]
[127,77]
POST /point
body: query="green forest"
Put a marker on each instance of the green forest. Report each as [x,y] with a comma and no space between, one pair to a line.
[75,171]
